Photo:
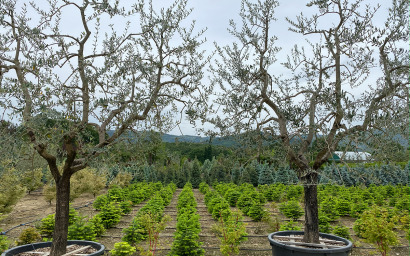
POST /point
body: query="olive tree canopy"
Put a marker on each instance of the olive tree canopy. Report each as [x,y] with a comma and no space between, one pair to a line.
[348,80]
[66,74]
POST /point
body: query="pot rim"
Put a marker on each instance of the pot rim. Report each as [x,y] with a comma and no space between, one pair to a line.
[345,248]
[98,246]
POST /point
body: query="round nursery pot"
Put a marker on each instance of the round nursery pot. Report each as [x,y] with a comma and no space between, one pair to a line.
[31,247]
[281,248]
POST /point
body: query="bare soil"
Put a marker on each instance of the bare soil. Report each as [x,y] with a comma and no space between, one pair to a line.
[31,208]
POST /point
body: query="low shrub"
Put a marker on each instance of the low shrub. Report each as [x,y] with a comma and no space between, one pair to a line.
[28,236]
[125,206]
[31,179]
[341,231]
[98,224]
[257,212]
[404,225]
[153,229]
[221,209]
[379,199]
[328,207]
[231,232]
[343,207]
[186,239]
[136,196]
[392,202]
[324,223]
[82,230]
[274,223]
[73,216]
[49,192]
[294,192]
[47,225]
[244,203]
[4,243]
[116,194]
[290,225]
[376,226]
[258,197]
[277,195]
[136,232]
[211,194]
[358,208]
[291,209]
[403,204]
[232,196]
[110,214]
[100,201]
[359,228]
[217,199]
[203,187]
[122,249]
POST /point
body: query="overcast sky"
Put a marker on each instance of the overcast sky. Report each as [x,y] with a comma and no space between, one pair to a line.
[215,15]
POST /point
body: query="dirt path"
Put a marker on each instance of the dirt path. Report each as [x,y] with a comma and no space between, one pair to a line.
[210,242]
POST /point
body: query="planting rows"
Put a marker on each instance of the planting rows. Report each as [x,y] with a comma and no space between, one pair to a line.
[228,219]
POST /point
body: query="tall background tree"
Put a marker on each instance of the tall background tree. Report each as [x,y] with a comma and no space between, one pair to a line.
[329,91]
[55,62]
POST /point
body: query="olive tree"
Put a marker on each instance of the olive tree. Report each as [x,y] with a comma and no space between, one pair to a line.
[64,68]
[327,91]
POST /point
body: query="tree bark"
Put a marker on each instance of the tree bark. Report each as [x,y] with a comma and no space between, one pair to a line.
[310,181]
[61,216]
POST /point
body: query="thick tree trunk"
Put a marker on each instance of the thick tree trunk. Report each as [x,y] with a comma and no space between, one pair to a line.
[61,217]
[311,208]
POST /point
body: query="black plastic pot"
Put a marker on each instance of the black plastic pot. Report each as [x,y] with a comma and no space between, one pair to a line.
[31,247]
[280,249]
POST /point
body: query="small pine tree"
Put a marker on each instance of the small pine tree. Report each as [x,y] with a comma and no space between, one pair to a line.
[245,176]
[206,169]
[236,174]
[196,174]
[208,152]
[170,174]
[218,173]
[49,192]
[253,173]
[265,174]
[31,179]
[187,169]
[180,178]
[11,190]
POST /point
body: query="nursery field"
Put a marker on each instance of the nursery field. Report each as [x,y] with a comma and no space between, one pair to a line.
[203,220]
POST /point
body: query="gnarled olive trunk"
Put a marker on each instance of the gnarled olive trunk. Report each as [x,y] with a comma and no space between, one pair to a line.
[61,216]
[311,229]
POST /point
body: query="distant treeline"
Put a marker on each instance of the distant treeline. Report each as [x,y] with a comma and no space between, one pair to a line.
[259,174]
